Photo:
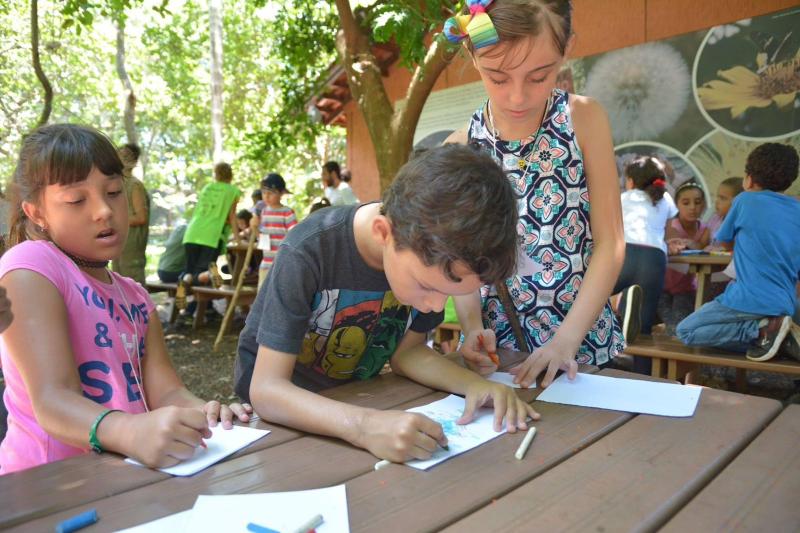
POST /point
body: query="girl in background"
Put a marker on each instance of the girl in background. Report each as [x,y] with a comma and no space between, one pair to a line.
[100,377]
[646,211]
[557,305]
[726,191]
[684,232]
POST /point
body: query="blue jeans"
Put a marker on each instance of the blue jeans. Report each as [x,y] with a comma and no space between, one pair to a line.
[719,326]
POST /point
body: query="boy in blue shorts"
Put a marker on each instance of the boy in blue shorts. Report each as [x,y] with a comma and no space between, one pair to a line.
[354,287]
[754,314]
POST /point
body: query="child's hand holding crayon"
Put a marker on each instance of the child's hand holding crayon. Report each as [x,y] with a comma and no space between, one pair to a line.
[161,438]
[479,352]
[400,436]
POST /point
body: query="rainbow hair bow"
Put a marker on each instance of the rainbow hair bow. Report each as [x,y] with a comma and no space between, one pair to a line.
[477,25]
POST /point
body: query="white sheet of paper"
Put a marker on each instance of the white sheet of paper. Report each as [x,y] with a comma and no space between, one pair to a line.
[223,442]
[167,524]
[263,242]
[459,438]
[507,379]
[279,511]
[619,394]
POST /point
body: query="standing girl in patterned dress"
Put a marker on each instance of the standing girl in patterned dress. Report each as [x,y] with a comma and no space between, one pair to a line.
[557,151]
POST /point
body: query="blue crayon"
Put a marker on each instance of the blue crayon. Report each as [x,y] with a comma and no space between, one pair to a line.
[255,528]
[77,522]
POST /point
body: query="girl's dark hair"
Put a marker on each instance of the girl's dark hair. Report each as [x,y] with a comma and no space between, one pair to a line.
[455,204]
[58,154]
[648,175]
[346,175]
[333,166]
[687,186]
[517,19]
[244,214]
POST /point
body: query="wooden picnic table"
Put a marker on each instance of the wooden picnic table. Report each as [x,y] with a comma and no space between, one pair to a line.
[237,250]
[702,266]
[735,463]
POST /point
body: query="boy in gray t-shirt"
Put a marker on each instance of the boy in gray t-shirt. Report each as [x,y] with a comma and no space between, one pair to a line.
[355,287]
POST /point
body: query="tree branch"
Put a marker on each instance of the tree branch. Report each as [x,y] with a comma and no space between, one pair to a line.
[37,66]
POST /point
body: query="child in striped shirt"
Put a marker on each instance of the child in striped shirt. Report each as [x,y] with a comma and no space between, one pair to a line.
[276,220]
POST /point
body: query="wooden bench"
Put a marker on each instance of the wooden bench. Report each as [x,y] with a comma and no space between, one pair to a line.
[169,288]
[203,295]
[680,359]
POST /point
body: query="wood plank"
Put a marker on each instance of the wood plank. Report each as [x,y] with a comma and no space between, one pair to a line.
[79,480]
[665,347]
[305,463]
[242,472]
[425,501]
[757,491]
[638,476]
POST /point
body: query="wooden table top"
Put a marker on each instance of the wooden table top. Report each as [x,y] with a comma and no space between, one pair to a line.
[701,259]
[734,463]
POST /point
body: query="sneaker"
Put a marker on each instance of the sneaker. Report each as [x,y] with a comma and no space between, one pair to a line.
[770,338]
[632,321]
[791,344]
[216,278]
[183,289]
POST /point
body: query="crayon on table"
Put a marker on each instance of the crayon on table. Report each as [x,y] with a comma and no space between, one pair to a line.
[526,442]
[77,522]
[310,525]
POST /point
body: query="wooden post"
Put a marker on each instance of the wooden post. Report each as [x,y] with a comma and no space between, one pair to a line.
[239,282]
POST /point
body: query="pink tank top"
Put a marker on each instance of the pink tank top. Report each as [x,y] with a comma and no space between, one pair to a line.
[102,340]
[676,282]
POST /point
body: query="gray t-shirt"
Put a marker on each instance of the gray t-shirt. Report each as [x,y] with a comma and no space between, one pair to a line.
[322,302]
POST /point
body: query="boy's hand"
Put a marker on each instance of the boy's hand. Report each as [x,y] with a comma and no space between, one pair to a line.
[166,436]
[216,412]
[552,356]
[507,405]
[476,351]
[400,436]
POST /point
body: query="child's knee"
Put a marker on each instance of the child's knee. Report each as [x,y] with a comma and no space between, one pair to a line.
[685,330]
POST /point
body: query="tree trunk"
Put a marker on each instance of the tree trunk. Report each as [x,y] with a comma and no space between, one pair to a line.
[391,129]
[215,21]
[127,87]
[37,66]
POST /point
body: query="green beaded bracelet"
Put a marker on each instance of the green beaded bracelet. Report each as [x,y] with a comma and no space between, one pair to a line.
[94,442]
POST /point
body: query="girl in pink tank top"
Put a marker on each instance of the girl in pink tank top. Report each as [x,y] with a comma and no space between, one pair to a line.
[85,363]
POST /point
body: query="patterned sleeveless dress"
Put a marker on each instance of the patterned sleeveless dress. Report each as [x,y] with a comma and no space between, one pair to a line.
[546,171]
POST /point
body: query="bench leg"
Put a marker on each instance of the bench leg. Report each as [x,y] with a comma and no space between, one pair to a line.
[679,371]
[200,312]
[657,368]
[741,380]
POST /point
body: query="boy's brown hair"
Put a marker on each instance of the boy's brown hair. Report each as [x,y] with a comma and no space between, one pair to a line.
[455,204]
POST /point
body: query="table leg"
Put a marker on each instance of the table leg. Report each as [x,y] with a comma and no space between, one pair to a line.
[702,275]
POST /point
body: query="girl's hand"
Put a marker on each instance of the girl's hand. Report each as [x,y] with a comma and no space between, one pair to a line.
[476,352]
[6,316]
[215,411]
[676,245]
[552,356]
[166,436]
[507,405]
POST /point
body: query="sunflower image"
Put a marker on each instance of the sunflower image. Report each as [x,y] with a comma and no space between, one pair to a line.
[740,88]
